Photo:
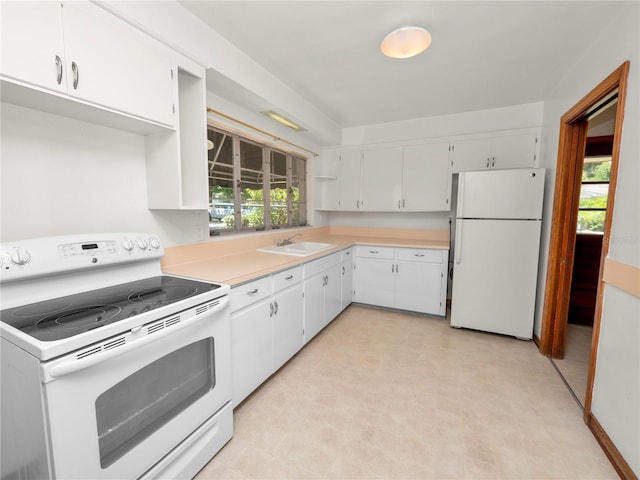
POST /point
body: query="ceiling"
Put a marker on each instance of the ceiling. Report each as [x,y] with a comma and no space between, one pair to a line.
[483,55]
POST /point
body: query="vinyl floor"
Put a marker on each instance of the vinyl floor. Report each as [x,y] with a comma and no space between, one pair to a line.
[380,394]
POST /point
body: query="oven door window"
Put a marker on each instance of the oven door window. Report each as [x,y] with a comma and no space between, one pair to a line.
[133,409]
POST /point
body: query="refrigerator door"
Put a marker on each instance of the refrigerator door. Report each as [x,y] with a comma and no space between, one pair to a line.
[514,194]
[495,275]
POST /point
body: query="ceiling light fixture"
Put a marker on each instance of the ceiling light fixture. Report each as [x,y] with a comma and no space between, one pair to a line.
[405,42]
[284,121]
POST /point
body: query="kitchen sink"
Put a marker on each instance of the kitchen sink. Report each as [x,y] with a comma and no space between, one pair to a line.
[300,249]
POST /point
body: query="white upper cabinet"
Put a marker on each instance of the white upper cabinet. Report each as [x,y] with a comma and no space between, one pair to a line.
[504,151]
[382,179]
[31,42]
[394,178]
[76,52]
[426,177]
[116,66]
[350,180]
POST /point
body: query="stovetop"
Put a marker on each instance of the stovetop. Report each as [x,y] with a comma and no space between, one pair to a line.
[71,315]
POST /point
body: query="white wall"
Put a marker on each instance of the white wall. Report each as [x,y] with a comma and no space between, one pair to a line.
[616,396]
[480,121]
[64,176]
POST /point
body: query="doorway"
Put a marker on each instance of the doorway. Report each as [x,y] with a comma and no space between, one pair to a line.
[574,126]
[592,212]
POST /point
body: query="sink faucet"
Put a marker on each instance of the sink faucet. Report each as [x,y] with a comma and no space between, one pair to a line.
[287,241]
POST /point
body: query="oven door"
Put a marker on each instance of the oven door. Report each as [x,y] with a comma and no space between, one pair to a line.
[117,412]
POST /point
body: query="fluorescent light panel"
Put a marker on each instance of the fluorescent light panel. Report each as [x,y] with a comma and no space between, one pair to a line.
[283,120]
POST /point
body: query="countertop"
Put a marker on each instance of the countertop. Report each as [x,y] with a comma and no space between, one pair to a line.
[240,267]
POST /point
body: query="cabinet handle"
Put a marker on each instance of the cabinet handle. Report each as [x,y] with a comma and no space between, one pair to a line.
[271,310]
[418,254]
[403,203]
[397,268]
[76,75]
[488,162]
[275,311]
[357,203]
[342,269]
[493,161]
[347,253]
[399,203]
[252,292]
[59,69]
[374,251]
[393,268]
[289,277]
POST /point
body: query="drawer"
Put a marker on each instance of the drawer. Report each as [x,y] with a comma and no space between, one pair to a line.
[317,266]
[373,251]
[287,278]
[346,254]
[422,255]
[251,292]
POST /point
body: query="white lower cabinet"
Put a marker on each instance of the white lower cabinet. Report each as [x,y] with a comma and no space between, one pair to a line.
[322,293]
[274,316]
[402,278]
[287,318]
[251,349]
[346,260]
[266,328]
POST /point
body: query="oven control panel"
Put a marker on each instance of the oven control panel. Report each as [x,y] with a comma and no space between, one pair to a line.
[55,255]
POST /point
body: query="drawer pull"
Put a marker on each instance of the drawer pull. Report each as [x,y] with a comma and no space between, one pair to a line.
[374,251]
[418,254]
[252,292]
[289,277]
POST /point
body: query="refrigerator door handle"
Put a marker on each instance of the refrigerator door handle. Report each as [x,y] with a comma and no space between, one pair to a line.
[460,209]
[458,246]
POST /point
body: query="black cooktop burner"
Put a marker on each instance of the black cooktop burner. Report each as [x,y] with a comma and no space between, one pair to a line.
[68,316]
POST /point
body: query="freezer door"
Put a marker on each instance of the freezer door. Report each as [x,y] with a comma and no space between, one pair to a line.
[513,194]
[494,276]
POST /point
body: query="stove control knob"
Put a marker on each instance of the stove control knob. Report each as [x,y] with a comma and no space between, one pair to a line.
[127,245]
[19,257]
[142,244]
[155,243]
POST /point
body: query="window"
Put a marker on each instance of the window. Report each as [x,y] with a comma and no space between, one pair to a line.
[592,208]
[253,186]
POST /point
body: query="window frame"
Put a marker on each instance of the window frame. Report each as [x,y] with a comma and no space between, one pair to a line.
[267,149]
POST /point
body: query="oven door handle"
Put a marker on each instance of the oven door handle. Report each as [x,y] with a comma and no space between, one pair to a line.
[71,364]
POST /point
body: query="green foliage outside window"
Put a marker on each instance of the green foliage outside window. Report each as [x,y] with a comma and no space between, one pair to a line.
[593,220]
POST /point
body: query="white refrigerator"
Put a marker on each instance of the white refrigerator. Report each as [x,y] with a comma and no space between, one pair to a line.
[496,249]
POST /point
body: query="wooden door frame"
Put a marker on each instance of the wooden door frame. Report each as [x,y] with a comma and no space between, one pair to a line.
[571,148]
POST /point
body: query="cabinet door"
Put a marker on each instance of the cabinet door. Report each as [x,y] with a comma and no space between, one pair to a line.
[332,293]
[251,349]
[350,180]
[117,66]
[471,155]
[313,306]
[288,324]
[426,177]
[514,151]
[31,41]
[382,179]
[347,284]
[374,281]
[418,287]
